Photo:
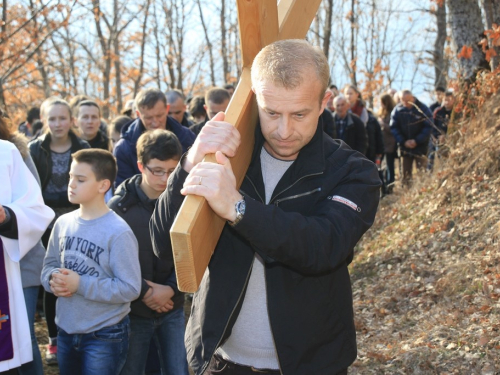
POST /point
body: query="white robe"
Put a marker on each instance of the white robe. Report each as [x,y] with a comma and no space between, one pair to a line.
[20,192]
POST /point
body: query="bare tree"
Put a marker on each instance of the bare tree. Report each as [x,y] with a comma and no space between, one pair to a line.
[328,28]
[223,41]
[467,31]
[110,48]
[138,79]
[209,44]
[354,32]
[491,10]
[439,59]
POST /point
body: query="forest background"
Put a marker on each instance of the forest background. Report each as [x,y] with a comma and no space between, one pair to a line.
[109,50]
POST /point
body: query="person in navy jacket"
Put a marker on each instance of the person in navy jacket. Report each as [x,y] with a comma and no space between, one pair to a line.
[411,125]
[152,113]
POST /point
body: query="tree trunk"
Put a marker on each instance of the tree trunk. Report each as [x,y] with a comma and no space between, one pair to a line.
[353,43]
[223,41]
[157,51]
[106,54]
[179,34]
[328,29]
[118,74]
[440,62]
[467,31]
[40,61]
[209,45]
[491,11]
[137,81]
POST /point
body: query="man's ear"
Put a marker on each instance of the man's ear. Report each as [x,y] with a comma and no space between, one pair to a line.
[137,113]
[205,106]
[140,166]
[168,108]
[324,101]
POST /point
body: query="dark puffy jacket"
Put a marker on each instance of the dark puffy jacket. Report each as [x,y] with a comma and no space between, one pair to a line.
[326,119]
[101,141]
[186,122]
[40,153]
[306,235]
[441,119]
[196,128]
[354,133]
[126,152]
[412,123]
[375,138]
[132,204]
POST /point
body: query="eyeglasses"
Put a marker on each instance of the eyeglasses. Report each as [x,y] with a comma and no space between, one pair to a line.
[159,173]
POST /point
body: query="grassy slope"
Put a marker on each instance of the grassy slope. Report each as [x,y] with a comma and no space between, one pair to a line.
[426,277]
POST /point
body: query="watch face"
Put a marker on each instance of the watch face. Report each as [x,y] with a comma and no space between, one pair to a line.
[241,207]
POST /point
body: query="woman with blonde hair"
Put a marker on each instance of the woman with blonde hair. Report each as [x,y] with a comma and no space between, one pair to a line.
[51,153]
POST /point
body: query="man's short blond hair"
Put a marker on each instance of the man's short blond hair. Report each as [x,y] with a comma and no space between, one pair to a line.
[286,62]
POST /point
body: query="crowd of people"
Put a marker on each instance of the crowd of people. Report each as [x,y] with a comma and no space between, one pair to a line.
[110,300]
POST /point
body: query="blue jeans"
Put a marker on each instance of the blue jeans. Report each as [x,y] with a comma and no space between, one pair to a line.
[102,352]
[168,333]
[34,367]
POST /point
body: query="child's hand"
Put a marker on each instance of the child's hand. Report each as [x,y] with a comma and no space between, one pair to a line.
[58,286]
[71,279]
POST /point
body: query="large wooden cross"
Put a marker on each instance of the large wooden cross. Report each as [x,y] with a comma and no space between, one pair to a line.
[197,228]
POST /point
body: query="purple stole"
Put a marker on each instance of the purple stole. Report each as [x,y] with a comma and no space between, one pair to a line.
[6,347]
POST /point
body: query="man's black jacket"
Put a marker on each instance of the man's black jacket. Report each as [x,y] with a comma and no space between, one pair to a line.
[354,134]
[375,138]
[306,236]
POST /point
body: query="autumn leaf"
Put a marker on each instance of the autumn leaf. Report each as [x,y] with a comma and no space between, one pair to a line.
[489,54]
[465,53]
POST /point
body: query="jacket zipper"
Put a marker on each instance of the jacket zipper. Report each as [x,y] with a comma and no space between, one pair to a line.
[289,187]
[277,202]
[230,316]
[256,191]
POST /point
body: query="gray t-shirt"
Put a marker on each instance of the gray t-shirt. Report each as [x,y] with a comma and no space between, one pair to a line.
[104,252]
[251,342]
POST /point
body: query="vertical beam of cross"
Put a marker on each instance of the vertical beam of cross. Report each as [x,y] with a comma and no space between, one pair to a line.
[196,229]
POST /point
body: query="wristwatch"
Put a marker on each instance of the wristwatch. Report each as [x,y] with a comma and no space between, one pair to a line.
[239,207]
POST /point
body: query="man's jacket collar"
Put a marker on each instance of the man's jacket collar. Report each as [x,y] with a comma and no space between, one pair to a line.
[310,161]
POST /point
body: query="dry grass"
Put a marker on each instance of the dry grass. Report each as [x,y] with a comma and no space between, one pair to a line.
[426,277]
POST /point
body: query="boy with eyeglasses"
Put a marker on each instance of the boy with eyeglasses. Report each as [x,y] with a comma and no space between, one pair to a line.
[158,312]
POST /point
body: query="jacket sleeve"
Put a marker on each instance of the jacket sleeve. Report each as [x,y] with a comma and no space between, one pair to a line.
[52,260]
[361,136]
[124,161]
[423,136]
[379,139]
[320,242]
[395,125]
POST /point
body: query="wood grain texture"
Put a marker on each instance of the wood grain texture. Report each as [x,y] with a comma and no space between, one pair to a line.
[295,17]
[196,229]
[258,21]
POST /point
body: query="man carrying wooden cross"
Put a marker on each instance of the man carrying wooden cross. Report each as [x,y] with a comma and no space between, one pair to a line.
[276,297]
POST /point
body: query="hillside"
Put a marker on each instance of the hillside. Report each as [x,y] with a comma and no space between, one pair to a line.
[426,277]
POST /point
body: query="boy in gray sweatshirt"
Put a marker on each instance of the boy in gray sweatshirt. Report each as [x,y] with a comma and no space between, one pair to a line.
[92,262]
